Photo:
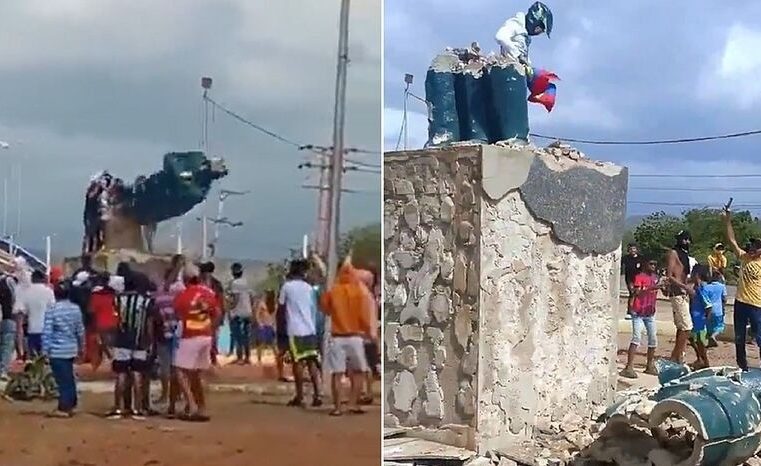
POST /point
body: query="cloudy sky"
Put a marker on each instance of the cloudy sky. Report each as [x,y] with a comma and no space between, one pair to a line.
[639,70]
[87,85]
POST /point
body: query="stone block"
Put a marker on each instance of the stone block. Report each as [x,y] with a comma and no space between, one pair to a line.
[503,289]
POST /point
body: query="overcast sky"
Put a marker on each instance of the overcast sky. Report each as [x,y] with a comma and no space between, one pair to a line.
[88,85]
[630,71]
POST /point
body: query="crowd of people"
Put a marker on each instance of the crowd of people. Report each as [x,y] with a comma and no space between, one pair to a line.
[167,329]
[697,293]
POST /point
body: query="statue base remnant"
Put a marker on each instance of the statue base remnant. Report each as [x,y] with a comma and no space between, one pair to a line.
[475,98]
[123,232]
[153,265]
[501,289]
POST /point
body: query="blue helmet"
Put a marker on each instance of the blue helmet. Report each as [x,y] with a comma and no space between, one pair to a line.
[539,15]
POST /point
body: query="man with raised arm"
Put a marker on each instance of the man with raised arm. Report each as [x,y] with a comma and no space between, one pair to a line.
[748,297]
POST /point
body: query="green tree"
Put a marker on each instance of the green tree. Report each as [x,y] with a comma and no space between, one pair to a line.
[365,245]
[655,234]
[275,277]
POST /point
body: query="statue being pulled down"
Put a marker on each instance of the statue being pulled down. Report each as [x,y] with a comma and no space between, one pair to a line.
[129,214]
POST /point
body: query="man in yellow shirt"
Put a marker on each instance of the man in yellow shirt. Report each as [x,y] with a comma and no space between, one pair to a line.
[748,297]
[717,261]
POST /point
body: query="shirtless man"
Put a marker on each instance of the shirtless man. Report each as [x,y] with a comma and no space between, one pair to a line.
[677,269]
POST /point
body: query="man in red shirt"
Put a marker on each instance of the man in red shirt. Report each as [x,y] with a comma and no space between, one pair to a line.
[645,286]
[198,311]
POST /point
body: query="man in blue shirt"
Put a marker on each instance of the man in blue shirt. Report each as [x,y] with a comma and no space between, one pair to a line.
[717,293]
[63,340]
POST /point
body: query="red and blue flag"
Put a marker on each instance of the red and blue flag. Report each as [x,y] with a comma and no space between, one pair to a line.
[542,89]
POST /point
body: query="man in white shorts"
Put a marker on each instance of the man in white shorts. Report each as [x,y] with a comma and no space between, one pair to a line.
[347,305]
[678,263]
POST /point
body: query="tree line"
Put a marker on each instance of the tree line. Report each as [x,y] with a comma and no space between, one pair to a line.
[363,242]
[654,235]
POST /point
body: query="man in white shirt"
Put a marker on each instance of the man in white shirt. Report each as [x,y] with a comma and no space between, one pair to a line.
[514,37]
[31,304]
[297,300]
[240,315]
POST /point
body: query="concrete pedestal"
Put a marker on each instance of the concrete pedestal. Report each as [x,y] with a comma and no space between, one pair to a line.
[501,289]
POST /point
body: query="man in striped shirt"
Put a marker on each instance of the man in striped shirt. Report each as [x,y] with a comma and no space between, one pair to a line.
[133,342]
[63,339]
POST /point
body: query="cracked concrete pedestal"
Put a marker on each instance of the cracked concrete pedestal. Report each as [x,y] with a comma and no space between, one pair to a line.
[501,289]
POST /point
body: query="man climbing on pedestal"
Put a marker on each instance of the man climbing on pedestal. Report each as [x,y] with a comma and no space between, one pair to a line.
[514,37]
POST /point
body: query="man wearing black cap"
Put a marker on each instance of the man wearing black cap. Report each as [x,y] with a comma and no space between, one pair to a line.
[748,296]
[678,269]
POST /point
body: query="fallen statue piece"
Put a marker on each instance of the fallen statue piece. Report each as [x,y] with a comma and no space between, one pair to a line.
[708,417]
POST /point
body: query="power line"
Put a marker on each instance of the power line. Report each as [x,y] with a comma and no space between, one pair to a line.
[693,204]
[363,164]
[730,190]
[252,124]
[650,142]
[660,175]
[281,138]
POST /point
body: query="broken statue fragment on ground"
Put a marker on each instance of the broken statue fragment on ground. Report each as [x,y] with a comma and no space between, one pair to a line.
[707,417]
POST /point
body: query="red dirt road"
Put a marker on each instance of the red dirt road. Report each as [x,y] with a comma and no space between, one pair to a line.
[243,431]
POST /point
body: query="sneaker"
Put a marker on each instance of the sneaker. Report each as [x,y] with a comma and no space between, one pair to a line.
[628,373]
[296,402]
[115,414]
[138,416]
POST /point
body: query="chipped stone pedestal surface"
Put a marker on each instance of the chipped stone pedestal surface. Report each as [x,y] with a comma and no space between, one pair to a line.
[501,289]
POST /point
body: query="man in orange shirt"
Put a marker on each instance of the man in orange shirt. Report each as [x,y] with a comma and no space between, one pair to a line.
[347,305]
[198,311]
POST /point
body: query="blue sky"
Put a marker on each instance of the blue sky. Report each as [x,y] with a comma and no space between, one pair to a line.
[87,85]
[630,71]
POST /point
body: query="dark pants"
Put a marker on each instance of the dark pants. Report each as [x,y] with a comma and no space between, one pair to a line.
[240,334]
[63,373]
[744,314]
[34,344]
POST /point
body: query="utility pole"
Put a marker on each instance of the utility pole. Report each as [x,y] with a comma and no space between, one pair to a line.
[336,170]
[223,194]
[322,235]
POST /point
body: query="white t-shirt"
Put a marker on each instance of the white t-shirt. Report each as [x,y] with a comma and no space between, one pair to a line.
[33,301]
[296,295]
[242,292]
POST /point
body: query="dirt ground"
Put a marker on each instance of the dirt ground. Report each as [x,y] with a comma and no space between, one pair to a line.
[243,431]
